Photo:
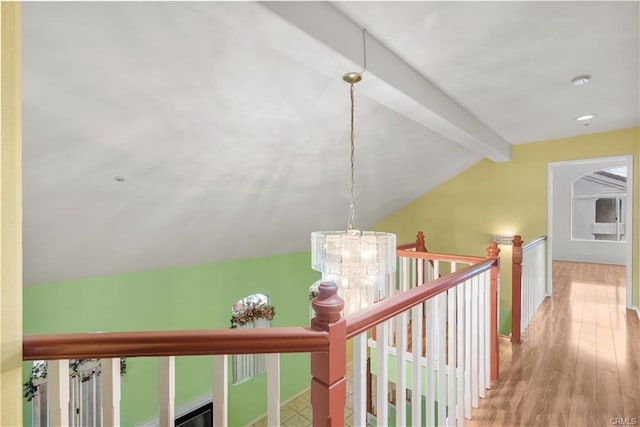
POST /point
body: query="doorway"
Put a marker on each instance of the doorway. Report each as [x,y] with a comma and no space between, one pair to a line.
[590,213]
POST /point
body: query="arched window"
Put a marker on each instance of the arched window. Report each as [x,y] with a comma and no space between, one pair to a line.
[253,311]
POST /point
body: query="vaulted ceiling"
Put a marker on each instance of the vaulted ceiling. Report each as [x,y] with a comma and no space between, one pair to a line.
[173,133]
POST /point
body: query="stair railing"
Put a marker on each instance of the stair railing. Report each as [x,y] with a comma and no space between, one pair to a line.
[475,350]
[529,282]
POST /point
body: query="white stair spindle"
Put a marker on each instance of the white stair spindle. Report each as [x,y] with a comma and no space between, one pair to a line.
[401,368]
[58,392]
[166,390]
[73,402]
[441,334]
[220,391]
[525,290]
[431,365]
[451,356]
[360,379]
[483,327]
[487,329]
[110,381]
[475,332]
[460,353]
[468,308]
[273,389]
[96,403]
[382,390]
[416,373]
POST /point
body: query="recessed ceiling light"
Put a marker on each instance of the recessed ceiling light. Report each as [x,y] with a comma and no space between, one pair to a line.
[585,117]
[581,80]
[119,178]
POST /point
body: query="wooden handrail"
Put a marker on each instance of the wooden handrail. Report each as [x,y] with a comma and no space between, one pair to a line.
[533,243]
[174,343]
[386,309]
[432,256]
[407,246]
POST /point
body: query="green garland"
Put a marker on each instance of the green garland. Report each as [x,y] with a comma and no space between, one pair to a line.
[39,371]
[251,313]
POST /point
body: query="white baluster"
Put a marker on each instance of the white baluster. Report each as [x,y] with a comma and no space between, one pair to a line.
[475,333]
[451,356]
[441,339]
[460,353]
[523,291]
[432,351]
[220,391]
[360,379]
[405,275]
[468,311]
[166,390]
[487,329]
[531,286]
[110,382]
[273,389]
[96,403]
[394,291]
[382,334]
[73,401]
[401,368]
[483,327]
[416,367]
[58,392]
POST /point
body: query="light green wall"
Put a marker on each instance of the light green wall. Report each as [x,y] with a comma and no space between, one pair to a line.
[461,215]
[183,298]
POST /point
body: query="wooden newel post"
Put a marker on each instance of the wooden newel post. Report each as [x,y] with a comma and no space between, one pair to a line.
[493,251]
[420,245]
[516,290]
[328,369]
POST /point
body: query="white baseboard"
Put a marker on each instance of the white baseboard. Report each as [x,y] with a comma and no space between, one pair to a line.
[638,312]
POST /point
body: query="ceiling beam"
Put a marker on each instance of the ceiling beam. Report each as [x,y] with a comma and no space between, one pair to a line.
[390,80]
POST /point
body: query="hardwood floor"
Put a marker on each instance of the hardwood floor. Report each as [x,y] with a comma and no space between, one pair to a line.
[579,364]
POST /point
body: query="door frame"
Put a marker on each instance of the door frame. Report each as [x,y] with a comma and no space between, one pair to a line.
[628,159]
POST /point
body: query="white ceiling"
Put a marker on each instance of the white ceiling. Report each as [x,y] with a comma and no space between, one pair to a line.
[230,121]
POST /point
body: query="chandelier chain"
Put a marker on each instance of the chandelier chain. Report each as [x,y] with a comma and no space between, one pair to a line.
[352,210]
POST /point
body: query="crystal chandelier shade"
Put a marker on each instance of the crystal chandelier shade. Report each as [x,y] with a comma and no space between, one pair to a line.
[360,263]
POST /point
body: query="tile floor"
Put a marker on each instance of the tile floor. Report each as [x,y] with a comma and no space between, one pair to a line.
[297,412]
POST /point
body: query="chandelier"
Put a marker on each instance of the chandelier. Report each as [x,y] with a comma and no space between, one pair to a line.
[360,263]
